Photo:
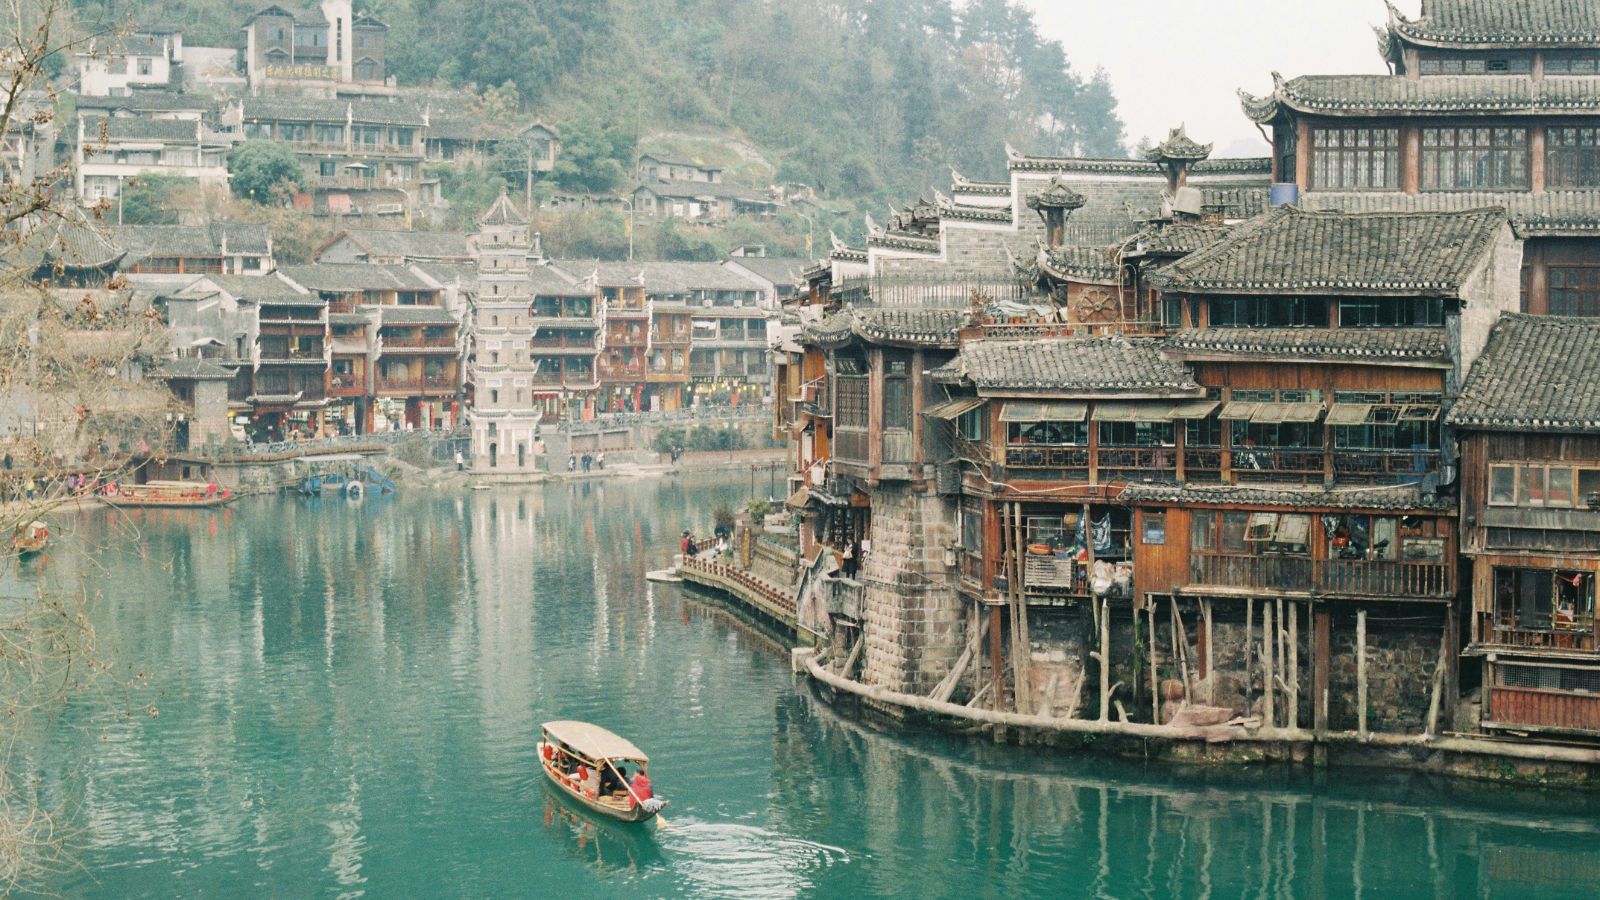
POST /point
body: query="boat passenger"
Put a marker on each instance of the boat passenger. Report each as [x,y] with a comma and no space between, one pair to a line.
[641,789]
[609,782]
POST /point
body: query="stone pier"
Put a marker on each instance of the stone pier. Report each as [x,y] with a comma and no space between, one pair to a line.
[912,616]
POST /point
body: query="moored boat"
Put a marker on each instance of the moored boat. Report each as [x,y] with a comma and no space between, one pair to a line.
[167,494]
[575,755]
[30,539]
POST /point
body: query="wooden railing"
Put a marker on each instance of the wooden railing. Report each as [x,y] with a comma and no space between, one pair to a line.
[1544,708]
[414,342]
[1030,457]
[1248,461]
[973,571]
[1545,638]
[1137,464]
[1341,577]
[437,383]
[1384,465]
[898,447]
[850,445]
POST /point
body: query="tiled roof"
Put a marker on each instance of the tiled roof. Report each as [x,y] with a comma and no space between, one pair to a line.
[416,315]
[345,277]
[503,212]
[547,281]
[1084,264]
[1243,166]
[272,107]
[143,241]
[667,278]
[131,128]
[1397,498]
[1178,146]
[192,368]
[1545,214]
[462,275]
[1414,345]
[1291,251]
[1503,23]
[149,101]
[1175,238]
[1071,365]
[346,319]
[783,271]
[696,189]
[410,245]
[1371,95]
[1539,373]
[256,288]
[927,327]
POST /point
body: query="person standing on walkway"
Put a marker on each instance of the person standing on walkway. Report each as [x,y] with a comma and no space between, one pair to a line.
[461,464]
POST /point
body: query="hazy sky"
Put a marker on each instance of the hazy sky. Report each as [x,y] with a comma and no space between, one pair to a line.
[1175,61]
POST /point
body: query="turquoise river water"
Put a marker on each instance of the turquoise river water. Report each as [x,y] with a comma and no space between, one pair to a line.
[346,697]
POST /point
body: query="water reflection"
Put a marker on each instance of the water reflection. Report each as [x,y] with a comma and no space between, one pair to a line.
[349,694]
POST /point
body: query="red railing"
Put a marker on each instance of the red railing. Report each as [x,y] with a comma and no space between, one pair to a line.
[1544,708]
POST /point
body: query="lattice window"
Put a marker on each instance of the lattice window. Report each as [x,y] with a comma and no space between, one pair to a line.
[1470,159]
[1355,159]
[1575,291]
[850,406]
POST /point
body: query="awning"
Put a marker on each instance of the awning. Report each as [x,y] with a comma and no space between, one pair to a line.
[799,499]
[1269,414]
[1132,412]
[1044,411]
[1303,412]
[1238,410]
[953,409]
[1349,413]
[1194,409]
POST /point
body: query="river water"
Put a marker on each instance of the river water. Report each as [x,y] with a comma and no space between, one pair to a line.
[335,698]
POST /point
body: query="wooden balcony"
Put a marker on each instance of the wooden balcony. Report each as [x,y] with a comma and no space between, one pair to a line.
[1137,464]
[412,342]
[1384,466]
[668,374]
[563,341]
[1542,708]
[1579,638]
[437,385]
[1278,466]
[626,372]
[347,385]
[1284,573]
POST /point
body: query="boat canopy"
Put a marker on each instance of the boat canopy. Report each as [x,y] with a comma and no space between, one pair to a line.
[593,741]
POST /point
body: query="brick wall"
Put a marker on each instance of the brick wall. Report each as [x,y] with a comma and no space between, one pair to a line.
[913,618]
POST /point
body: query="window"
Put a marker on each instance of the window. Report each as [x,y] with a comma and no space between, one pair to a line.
[327,168]
[972,527]
[1391,312]
[144,65]
[1475,159]
[1202,433]
[1537,485]
[1245,533]
[1136,434]
[1367,420]
[897,393]
[1543,600]
[850,402]
[293,131]
[1498,64]
[1575,291]
[1572,157]
[1203,531]
[328,134]
[973,425]
[1047,434]
[1154,531]
[1362,537]
[1355,159]
[1269,312]
[1579,63]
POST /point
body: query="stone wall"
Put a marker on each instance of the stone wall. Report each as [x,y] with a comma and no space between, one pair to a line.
[1402,654]
[913,619]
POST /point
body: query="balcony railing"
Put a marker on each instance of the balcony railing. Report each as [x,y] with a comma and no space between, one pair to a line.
[418,343]
[1544,708]
[347,385]
[1546,638]
[850,445]
[1384,465]
[562,341]
[1340,577]
[436,383]
[272,356]
[1259,463]
[633,371]
[1202,465]
[1137,464]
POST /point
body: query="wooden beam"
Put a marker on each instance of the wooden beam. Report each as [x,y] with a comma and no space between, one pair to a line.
[1321,639]
[1249,654]
[1210,653]
[1438,678]
[1294,666]
[1105,659]
[1268,687]
[1155,682]
[1361,673]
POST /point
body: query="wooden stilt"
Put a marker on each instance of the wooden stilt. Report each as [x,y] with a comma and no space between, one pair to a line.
[1180,650]
[1155,682]
[1321,640]
[1105,659]
[998,694]
[1269,688]
[1438,680]
[1361,673]
[1209,650]
[1249,655]
[1293,719]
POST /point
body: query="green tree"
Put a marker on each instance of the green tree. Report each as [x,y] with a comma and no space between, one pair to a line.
[593,157]
[263,171]
[152,199]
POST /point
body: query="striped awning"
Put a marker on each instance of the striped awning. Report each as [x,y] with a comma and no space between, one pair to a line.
[1133,412]
[1349,413]
[1044,411]
[953,409]
[1194,409]
[1238,410]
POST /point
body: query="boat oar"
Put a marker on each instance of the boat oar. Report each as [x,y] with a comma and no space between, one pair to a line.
[659,817]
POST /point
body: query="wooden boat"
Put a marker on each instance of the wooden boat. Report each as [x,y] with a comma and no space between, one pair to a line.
[572,755]
[167,494]
[30,539]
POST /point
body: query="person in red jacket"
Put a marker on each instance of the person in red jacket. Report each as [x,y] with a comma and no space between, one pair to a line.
[641,789]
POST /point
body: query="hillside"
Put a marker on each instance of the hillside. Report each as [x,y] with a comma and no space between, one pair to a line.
[868,101]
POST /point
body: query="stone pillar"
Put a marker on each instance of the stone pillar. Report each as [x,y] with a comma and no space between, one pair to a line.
[913,617]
